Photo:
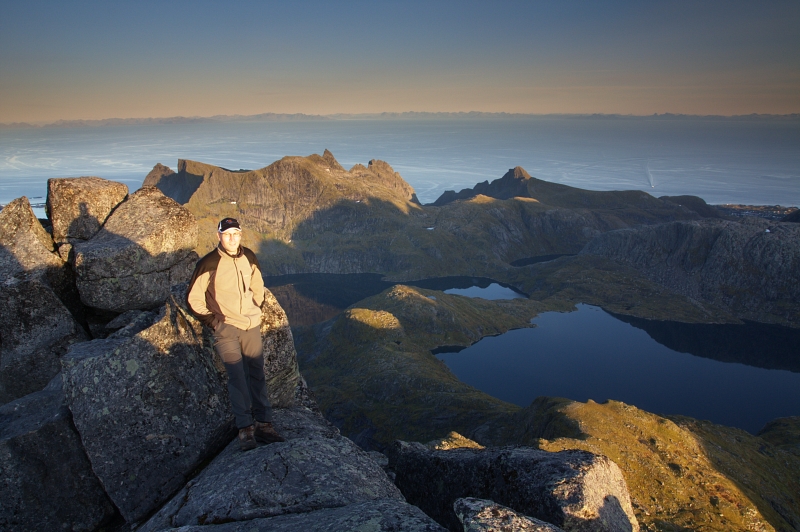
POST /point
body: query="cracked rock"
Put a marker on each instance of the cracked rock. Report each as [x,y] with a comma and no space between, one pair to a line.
[575,490]
[480,515]
[46,481]
[380,515]
[314,469]
[78,206]
[35,331]
[144,247]
[149,408]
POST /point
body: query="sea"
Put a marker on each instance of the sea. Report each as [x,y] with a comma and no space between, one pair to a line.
[742,161]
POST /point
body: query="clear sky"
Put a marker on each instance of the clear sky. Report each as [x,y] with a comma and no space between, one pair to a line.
[91,60]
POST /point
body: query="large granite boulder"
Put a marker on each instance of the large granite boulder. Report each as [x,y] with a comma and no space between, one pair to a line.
[46,481]
[380,515]
[78,206]
[36,329]
[35,325]
[145,247]
[280,365]
[24,244]
[149,408]
[480,515]
[574,490]
[316,468]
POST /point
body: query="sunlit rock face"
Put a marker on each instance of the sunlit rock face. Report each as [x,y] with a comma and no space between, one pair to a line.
[45,479]
[285,385]
[481,515]
[575,490]
[25,246]
[79,206]
[144,247]
[35,326]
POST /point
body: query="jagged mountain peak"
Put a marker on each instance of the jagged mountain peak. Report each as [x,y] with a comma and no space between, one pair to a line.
[276,198]
[331,160]
[517,172]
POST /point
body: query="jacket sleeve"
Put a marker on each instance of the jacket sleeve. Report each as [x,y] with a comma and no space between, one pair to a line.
[196,296]
[256,278]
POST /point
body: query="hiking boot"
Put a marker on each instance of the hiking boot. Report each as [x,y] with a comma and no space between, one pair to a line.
[266,433]
[247,440]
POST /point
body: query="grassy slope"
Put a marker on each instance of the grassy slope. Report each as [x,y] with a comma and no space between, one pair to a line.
[682,473]
[374,374]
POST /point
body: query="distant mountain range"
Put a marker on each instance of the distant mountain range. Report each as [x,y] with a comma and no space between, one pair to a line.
[407,115]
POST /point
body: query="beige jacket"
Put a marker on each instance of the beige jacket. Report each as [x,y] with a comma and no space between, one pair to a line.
[226,289]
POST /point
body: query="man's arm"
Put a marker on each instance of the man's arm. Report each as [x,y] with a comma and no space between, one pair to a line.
[196,295]
[256,278]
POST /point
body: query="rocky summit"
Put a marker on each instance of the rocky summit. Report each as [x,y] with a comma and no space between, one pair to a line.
[113,409]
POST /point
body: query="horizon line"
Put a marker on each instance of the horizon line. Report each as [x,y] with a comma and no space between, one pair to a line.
[269,116]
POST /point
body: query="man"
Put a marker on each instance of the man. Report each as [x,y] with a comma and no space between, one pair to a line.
[225,294]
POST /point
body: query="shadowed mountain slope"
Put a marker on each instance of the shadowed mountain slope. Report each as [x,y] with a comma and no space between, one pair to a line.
[308,214]
[618,207]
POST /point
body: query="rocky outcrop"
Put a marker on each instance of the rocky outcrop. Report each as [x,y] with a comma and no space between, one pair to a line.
[453,440]
[275,199]
[149,408]
[46,481]
[609,208]
[24,244]
[380,515]
[792,217]
[145,247]
[316,468]
[392,179]
[176,185]
[25,247]
[36,329]
[480,515]
[751,267]
[694,203]
[35,326]
[155,176]
[574,490]
[280,364]
[331,161]
[513,184]
[79,206]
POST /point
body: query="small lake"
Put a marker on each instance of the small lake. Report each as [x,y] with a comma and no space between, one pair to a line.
[310,298]
[591,354]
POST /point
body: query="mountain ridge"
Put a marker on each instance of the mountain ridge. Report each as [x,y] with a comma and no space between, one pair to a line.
[403,115]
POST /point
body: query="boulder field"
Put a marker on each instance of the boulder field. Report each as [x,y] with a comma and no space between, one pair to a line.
[115,414]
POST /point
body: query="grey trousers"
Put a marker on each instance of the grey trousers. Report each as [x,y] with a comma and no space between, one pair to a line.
[241,353]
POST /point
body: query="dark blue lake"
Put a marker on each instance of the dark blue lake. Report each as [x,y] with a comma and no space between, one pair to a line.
[590,354]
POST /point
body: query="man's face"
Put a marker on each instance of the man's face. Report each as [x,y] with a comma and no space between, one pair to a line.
[230,241]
